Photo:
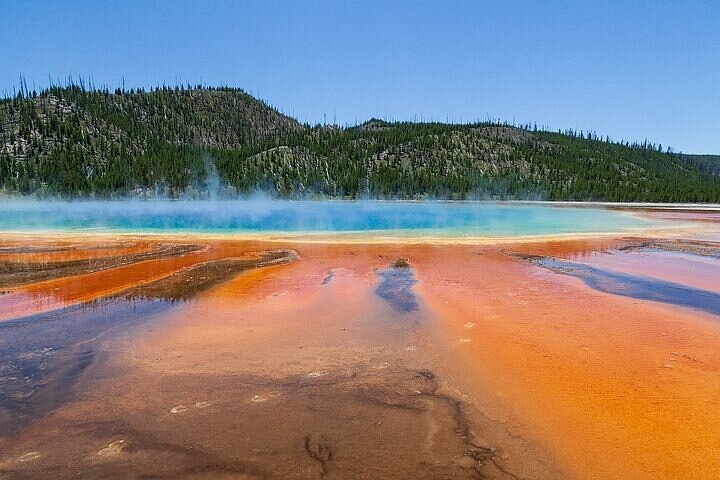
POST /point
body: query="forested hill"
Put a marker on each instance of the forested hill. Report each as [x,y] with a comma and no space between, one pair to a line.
[200,142]
[706,163]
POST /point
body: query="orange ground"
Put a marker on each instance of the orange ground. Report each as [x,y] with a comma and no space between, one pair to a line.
[618,388]
[611,387]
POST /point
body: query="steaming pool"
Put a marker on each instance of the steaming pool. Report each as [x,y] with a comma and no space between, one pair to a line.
[441,219]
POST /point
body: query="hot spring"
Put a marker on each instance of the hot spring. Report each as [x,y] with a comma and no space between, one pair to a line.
[440,219]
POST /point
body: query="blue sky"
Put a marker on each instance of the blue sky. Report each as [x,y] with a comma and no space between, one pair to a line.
[628,69]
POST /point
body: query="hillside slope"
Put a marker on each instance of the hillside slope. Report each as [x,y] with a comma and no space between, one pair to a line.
[202,141]
[706,163]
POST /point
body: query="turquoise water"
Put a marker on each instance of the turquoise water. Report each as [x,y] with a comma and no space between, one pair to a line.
[247,217]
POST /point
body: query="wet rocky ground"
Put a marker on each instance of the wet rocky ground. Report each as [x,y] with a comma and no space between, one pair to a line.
[378,410]
[43,355]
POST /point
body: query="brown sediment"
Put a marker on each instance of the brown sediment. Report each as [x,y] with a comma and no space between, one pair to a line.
[82,287]
[401,262]
[14,273]
[189,281]
[502,370]
[272,375]
[695,247]
[54,250]
[346,425]
[43,355]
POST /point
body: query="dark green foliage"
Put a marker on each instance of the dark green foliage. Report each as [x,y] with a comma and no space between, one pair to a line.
[172,141]
[706,163]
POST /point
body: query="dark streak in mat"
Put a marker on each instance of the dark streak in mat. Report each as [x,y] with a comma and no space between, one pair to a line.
[43,355]
[34,249]
[396,286]
[22,273]
[634,286]
[693,247]
[328,278]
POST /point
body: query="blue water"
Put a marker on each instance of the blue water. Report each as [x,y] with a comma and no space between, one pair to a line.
[261,216]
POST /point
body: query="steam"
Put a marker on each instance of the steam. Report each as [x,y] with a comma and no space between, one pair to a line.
[212,179]
[263,215]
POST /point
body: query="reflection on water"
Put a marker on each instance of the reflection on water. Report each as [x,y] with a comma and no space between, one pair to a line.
[636,286]
[290,405]
[42,355]
[396,286]
[333,367]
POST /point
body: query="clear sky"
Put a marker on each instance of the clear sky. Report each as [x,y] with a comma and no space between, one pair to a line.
[628,69]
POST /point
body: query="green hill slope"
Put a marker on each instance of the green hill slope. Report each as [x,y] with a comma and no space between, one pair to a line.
[201,141]
[706,163]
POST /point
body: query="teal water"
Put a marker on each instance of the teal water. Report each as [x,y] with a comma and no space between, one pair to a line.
[252,216]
